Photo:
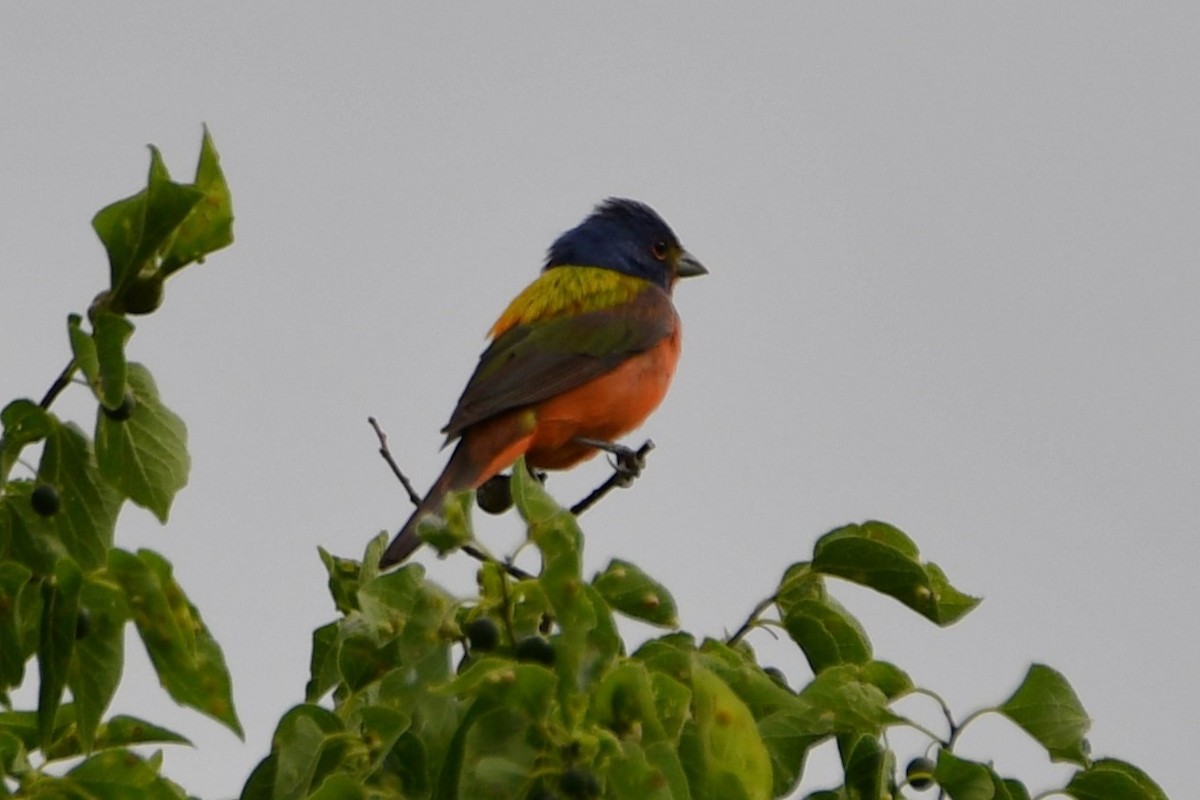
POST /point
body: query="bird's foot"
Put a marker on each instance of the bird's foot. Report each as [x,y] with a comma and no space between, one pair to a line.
[626,462]
[627,465]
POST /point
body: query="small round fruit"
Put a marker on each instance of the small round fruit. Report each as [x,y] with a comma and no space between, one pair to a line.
[123,411]
[483,634]
[45,500]
[142,295]
[776,674]
[83,624]
[535,649]
[920,773]
[579,783]
[495,495]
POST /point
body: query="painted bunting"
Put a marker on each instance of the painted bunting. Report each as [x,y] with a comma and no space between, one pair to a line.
[579,359]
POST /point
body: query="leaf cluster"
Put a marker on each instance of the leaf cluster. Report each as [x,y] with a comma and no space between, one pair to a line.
[67,592]
[527,690]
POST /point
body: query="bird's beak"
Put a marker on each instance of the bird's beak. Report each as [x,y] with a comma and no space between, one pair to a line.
[689,267]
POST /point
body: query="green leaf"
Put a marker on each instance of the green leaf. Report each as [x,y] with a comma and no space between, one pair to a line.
[302,734]
[962,779]
[146,455]
[1110,778]
[135,230]
[665,758]
[628,589]
[14,578]
[361,660]
[451,529]
[624,704]
[388,601]
[533,503]
[497,756]
[83,348]
[323,667]
[85,523]
[788,737]
[60,608]
[188,660]
[867,765]
[339,786]
[26,537]
[14,758]
[209,226]
[99,656]
[827,633]
[121,774]
[24,725]
[120,731]
[631,775]
[1047,708]
[24,422]
[883,558]
[555,532]
[402,604]
[1016,790]
[381,727]
[888,678]
[761,693]
[112,331]
[733,750]
[847,701]
[343,580]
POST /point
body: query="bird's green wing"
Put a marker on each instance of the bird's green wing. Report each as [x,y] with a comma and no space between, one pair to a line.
[532,362]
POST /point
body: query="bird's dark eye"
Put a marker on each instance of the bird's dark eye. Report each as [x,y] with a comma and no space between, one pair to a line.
[659,250]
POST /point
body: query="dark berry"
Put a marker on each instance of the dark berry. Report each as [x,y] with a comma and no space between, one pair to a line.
[142,295]
[83,624]
[535,649]
[483,634]
[123,411]
[920,773]
[495,495]
[776,674]
[579,783]
[45,500]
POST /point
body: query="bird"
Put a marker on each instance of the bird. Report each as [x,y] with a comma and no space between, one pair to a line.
[578,359]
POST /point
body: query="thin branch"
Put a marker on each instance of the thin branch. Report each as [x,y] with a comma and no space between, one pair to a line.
[512,569]
[623,473]
[391,462]
[471,550]
[956,731]
[751,621]
[937,698]
[61,382]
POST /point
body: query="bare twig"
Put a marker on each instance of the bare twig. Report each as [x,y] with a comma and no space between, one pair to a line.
[512,569]
[471,550]
[391,462]
[751,621]
[61,382]
[627,467]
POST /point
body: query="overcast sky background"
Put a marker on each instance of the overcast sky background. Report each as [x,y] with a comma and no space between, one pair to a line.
[953,254]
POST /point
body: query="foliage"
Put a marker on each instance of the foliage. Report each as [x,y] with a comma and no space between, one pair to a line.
[526,690]
[545,701]
[66,591]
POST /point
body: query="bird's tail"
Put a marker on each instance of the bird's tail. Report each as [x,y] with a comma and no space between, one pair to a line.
[406,540]
[457,475]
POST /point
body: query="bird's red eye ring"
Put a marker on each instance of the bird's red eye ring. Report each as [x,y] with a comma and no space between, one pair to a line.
[659,250]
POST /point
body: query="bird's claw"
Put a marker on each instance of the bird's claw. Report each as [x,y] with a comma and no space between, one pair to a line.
[627,463]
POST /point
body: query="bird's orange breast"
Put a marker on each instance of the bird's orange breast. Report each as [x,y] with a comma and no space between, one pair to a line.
[605,408]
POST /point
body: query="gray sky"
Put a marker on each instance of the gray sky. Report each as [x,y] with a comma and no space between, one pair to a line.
[954,286]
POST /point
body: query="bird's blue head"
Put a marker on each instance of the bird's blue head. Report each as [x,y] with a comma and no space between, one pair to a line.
[629,237]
